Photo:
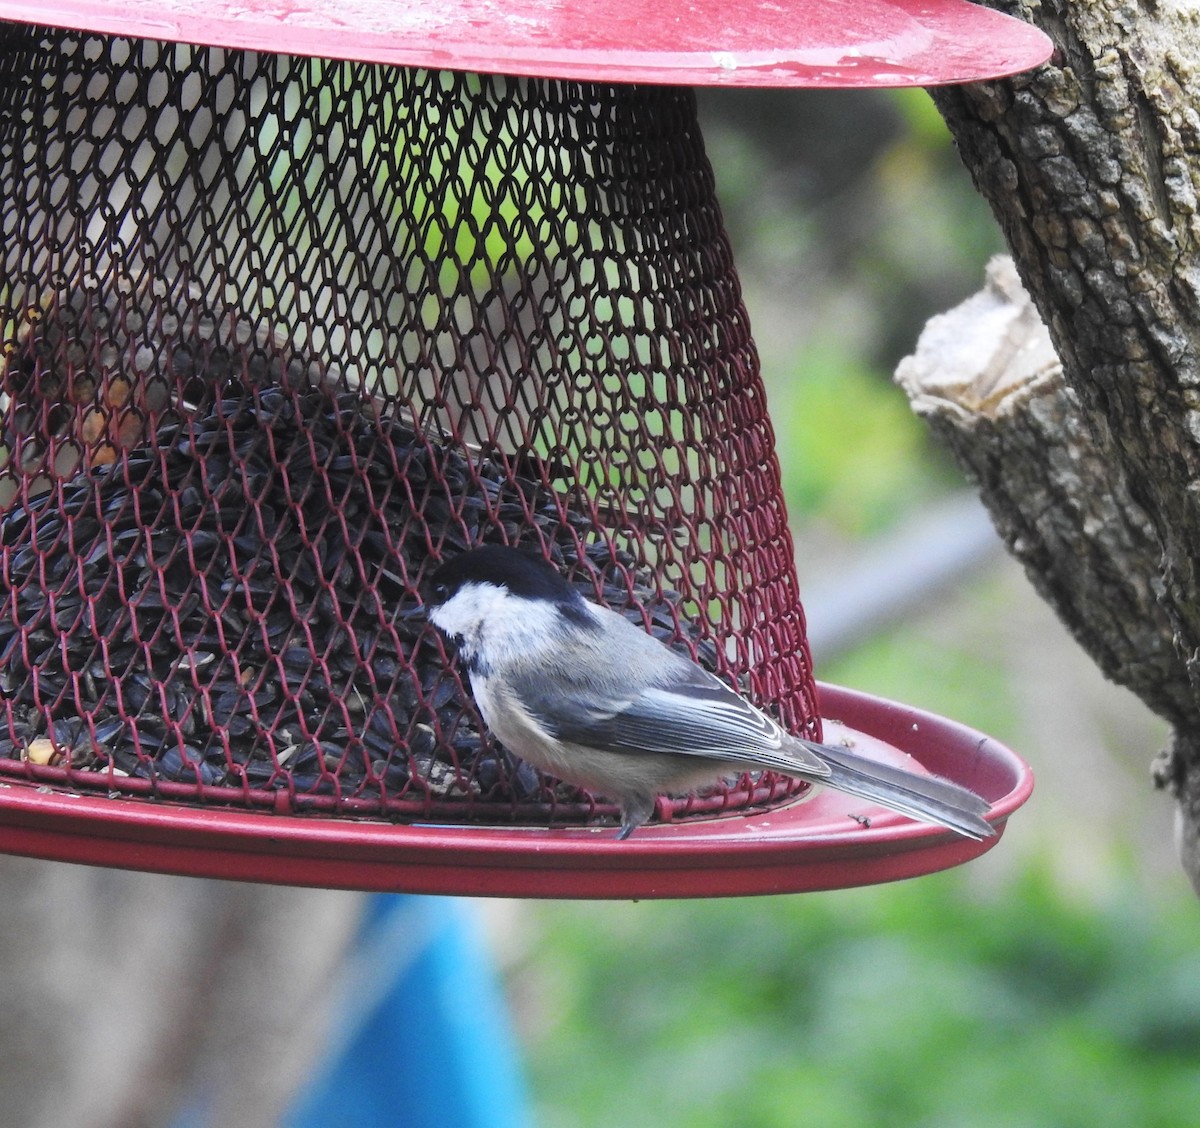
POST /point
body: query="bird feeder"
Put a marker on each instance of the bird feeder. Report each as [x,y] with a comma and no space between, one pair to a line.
[298,301]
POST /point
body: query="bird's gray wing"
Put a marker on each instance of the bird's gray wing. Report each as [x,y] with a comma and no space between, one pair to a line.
[690,714]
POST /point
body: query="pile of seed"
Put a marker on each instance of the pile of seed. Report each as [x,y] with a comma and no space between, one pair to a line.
[233,605]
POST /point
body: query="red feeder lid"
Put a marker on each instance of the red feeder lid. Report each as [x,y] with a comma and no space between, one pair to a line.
[841,43]
[829,841]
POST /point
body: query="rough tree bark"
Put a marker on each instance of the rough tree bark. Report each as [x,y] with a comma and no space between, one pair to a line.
[1092,469]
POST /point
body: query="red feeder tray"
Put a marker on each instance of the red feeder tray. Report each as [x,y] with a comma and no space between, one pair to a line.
[838,43]
[828,841]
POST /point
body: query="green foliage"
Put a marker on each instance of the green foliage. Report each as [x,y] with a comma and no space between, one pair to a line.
[932,233]
[914,1004]
[946,675]
[852,453]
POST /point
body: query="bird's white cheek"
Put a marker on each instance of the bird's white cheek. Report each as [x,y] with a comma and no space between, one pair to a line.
[447,619]
[462,617]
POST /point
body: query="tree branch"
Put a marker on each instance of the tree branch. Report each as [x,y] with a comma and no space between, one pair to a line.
[1090,165]
[986,379]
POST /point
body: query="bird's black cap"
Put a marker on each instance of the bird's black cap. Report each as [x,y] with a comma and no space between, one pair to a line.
[521,573]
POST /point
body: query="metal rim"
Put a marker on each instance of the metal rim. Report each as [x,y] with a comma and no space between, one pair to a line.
[822,843]
[830,43]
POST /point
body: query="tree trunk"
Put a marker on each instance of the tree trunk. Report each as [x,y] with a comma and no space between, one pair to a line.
[1091,166]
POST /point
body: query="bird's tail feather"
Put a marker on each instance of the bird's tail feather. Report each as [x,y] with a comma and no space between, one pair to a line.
[925,797]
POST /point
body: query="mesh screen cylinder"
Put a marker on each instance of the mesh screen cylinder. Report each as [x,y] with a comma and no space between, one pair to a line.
[280,334]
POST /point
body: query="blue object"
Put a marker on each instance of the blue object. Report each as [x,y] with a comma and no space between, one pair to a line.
[424,1039]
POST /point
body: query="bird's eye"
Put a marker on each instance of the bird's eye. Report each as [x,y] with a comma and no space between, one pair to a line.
[441,592]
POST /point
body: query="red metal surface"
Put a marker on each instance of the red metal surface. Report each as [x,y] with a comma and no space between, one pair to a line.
[844,43]
[348,324]
[818,844]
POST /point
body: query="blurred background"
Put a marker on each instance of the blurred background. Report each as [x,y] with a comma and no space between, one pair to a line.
[1055,981]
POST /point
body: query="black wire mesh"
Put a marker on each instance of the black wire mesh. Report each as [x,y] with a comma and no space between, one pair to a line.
[283,332]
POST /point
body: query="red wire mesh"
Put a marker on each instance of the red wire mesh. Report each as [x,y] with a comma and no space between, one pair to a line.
[280,334]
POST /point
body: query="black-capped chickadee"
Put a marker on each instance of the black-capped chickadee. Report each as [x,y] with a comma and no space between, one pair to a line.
[582,694]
